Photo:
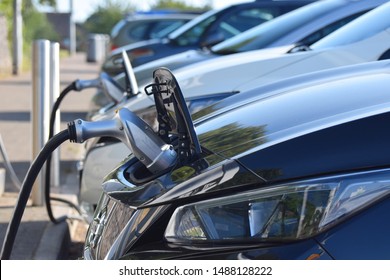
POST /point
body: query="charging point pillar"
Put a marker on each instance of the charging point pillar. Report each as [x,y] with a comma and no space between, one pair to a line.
[40,112]
[54,94]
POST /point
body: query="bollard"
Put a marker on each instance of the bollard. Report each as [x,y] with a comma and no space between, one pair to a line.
[54,94]
[40,112]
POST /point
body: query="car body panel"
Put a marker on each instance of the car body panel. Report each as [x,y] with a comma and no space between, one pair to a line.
[368,229]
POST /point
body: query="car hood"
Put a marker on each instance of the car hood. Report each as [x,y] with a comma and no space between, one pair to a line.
[241,126]
[268,65]
[144,72]
[142,101]
[187,76]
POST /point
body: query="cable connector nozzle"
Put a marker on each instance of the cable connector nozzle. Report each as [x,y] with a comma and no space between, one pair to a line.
[83,84]
[139,137]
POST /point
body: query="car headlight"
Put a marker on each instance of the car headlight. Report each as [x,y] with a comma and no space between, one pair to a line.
[280,213]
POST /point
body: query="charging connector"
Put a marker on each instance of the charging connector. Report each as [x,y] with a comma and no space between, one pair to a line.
[139,137]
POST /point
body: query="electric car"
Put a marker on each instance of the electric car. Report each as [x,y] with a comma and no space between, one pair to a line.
[365,39]
[303,26]
[207,29]
[297,169]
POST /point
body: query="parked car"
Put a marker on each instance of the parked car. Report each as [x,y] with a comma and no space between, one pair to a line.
[303,26]
[286,171]
[208,29]
[365,39]
[144,26]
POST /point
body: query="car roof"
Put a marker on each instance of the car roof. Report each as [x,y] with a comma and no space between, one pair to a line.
[133,17]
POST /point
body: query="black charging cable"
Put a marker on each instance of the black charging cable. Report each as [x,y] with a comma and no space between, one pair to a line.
[48,198]
[26,188]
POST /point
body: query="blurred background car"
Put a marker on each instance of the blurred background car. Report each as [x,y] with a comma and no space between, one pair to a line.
[205,30]
[286,171]
[303,26]
[365,39]
[147,25]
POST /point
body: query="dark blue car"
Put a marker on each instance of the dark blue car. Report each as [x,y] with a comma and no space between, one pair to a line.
[298,169]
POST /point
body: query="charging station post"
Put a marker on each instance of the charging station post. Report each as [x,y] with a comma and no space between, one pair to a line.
[45,83]
[54,94]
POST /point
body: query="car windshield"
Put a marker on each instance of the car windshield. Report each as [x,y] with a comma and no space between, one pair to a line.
[363,27]
[193,24]
[264,34]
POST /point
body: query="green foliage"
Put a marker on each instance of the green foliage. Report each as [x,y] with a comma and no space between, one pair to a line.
[178,5]
[106,16]
[51,3]
[6,7]
[7,11]
[36,26]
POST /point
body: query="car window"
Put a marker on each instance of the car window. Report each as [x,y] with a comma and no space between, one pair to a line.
[191,36]
[241,21]
[163,28]
[138,31]
[362,28]
[226,26]
[264,34]
[321,33]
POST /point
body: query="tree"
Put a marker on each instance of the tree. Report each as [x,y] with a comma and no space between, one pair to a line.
[178,5]
[106,16]
[6,10]
[38,27]
[51,3]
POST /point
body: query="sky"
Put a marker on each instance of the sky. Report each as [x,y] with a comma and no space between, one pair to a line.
[84,8]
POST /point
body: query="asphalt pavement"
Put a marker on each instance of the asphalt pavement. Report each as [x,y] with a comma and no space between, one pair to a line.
[38,238]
